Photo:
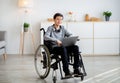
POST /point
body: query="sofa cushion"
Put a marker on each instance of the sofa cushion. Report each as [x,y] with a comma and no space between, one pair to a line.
[2,44]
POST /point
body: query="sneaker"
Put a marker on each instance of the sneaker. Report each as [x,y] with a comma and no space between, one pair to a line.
[77,73]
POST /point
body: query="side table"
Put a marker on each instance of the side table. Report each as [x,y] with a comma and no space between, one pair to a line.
[22,41]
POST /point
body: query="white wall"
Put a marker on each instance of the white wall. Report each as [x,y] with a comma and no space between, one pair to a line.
[11,17]
[79,7]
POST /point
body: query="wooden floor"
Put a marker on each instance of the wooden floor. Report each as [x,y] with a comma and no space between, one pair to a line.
[20,69]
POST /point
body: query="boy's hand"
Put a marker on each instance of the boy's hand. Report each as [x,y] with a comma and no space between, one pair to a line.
[59,43]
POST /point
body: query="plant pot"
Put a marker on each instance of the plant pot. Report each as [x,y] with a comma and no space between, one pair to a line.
[107,18]
[25,29]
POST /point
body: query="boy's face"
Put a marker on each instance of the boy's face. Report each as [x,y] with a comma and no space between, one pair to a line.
[58,20]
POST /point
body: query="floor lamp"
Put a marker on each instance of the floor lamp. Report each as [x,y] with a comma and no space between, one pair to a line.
[26,5]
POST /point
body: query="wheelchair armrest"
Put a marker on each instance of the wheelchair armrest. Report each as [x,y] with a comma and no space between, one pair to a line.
[49,45]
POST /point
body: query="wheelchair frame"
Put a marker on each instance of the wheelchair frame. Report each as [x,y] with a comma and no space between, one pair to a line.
[44,61]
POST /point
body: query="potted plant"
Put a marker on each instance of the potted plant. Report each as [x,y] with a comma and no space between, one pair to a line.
[107,15]
[26,26]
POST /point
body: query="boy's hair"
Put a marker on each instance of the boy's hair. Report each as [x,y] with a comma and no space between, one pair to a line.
[57,14]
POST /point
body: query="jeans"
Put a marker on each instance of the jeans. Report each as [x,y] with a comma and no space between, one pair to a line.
[63,51]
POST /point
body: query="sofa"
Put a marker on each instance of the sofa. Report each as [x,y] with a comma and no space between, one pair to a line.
[3,43]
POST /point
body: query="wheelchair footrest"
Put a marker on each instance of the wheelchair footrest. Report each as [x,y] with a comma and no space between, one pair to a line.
[66,78]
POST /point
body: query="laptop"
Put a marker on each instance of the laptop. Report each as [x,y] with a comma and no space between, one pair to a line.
[69,41]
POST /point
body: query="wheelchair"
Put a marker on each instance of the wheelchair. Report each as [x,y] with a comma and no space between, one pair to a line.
[44,60]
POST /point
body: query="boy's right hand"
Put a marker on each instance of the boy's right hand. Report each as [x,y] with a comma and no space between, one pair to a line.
[59,43]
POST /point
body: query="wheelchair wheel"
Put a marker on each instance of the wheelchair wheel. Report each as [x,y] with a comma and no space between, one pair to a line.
[42,61]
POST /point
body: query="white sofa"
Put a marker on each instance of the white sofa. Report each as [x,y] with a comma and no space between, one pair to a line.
[3,43]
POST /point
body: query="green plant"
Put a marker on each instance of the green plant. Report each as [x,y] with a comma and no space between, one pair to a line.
[107,13]
[26,25]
